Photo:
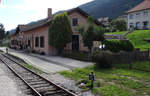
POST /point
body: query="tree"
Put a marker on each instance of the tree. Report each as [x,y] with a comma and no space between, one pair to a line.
[60,32]
[7,33]
[2,31]
[92,33]
[119,24]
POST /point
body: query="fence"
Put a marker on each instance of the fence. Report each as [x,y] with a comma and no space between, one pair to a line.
[112,36]
[120,57]
[126,57]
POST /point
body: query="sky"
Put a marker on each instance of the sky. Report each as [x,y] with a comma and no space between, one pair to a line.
[14,12]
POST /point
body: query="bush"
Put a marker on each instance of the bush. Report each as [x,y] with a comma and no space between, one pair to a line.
[119,24]
[33,51]
[126,45]
[118,45]
[103,59]
[42,53]
[76,55]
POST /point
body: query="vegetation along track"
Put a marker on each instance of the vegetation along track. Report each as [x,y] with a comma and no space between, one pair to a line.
[38,85]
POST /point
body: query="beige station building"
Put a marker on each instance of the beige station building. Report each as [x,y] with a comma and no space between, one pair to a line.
[35,35]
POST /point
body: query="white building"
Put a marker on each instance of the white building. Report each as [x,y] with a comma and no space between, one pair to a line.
[139,16]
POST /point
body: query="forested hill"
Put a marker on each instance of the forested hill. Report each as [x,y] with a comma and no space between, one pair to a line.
[109,8]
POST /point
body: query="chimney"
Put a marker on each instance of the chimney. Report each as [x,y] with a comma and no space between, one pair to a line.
[49,13]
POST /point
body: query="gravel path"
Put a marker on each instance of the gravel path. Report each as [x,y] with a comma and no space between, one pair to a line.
[10,85]
[66,83]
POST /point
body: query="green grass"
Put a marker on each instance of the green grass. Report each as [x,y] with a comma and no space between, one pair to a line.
[116,33]
[112,90]
[33,68]
[142,65]
[117,81]
[137,38]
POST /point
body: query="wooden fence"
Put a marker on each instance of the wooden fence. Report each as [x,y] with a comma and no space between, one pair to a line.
[126,57]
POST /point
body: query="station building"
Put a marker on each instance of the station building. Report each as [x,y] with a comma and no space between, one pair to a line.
[35,35]
[139,16]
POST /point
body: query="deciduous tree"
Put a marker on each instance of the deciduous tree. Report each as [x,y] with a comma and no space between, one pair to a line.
[119,24]
[60,31]
[2,31]
[92,33]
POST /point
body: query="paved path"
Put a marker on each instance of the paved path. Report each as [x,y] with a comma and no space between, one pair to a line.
[7,85]
[49,64]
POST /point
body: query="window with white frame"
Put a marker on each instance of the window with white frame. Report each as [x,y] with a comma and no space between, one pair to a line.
[74,21]
[145,13]
[36,41]
[42,41]
[131,25]
[131,16]
[138,15]
[138,25]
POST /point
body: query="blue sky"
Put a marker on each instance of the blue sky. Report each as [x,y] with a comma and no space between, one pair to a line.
[14,12]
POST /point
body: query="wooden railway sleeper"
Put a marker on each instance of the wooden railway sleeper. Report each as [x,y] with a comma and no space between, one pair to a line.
[35,83]
[43,85]
[51,93]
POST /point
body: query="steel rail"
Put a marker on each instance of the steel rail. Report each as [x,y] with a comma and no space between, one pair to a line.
[33,89]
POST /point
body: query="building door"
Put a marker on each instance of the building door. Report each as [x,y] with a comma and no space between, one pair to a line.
[145,25]
[75,42]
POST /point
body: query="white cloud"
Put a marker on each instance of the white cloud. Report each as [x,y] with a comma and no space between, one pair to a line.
[56,5]
[31,10]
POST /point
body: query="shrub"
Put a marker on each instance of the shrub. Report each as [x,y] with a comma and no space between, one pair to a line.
[119,24]
[103,59]
[118,45]
[126,45]
[77,55]
[33,51]
[42,53]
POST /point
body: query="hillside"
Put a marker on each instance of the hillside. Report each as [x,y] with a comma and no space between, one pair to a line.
[109,8]
[137,38]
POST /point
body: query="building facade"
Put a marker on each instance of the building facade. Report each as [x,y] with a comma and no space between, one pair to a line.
[139,16]
[35,36]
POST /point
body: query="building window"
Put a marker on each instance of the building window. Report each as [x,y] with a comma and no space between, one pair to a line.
[42,41]
[145,13]
[131,25]
[131,16]
[145,25]
[36,41]
[74,21]
[29,43]
[138,25]
[138,15]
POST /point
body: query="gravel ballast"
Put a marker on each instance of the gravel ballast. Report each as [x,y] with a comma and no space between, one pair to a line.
[10,85]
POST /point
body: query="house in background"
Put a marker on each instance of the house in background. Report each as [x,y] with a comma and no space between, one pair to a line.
[35,34]
[139,16]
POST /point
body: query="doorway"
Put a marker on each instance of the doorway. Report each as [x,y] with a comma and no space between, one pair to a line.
[75,42]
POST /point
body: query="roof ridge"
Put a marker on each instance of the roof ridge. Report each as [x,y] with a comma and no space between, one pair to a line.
[142,6]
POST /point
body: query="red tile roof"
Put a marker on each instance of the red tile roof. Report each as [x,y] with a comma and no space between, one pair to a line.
[142,6]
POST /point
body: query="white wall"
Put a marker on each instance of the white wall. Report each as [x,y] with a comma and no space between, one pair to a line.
[139,16]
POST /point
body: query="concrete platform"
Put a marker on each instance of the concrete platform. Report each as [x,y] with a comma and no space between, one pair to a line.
[7,85]
[49,64]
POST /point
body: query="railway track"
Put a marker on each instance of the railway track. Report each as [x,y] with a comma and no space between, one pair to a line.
[37,85]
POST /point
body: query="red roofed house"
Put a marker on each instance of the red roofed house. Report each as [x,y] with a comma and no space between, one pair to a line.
[139,16]
[35,34]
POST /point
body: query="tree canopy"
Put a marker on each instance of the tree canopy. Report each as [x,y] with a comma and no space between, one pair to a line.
[119,24]
[60,31]
[92,33]
[2,31]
